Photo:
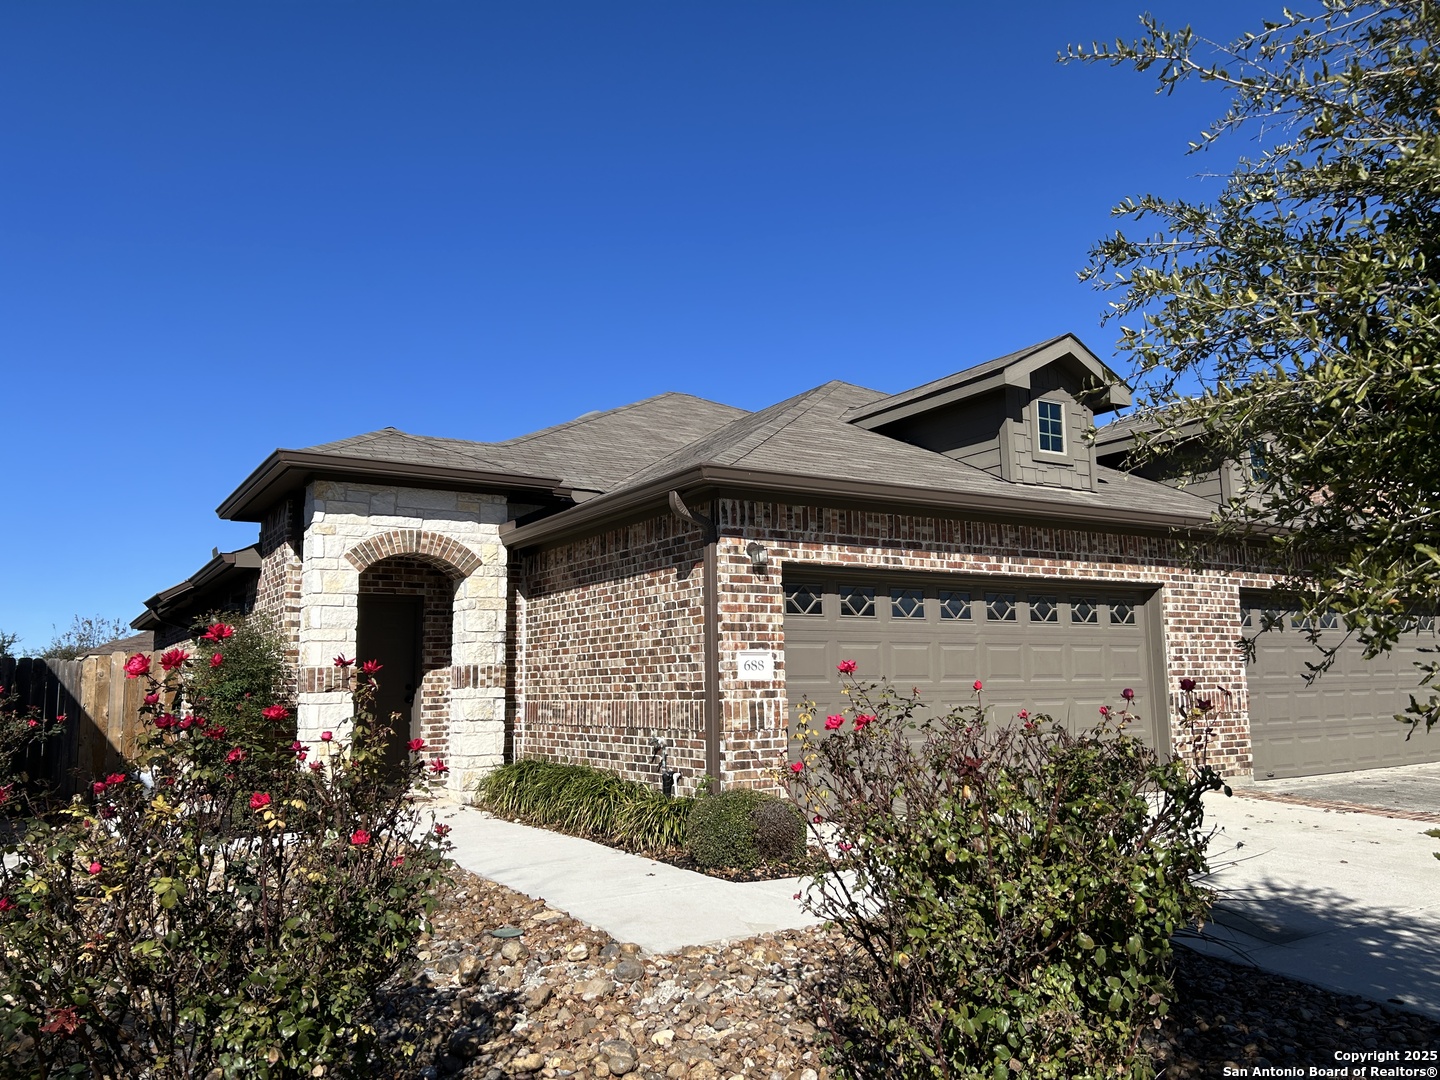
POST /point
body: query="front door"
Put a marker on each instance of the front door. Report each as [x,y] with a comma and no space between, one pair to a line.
[389,631]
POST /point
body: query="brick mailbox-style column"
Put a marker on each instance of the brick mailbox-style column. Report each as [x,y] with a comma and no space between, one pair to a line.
[352,527]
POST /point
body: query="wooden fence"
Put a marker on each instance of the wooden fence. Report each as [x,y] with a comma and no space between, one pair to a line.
[101,709]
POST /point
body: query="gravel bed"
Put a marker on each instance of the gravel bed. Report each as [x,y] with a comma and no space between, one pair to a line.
[563,999]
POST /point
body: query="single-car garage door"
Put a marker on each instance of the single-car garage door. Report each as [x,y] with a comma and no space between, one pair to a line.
[1343,719]
[1050,647]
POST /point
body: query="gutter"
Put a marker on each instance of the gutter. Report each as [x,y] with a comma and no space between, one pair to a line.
[257,492]
[991,504]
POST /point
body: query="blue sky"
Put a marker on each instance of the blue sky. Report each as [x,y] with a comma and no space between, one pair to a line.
[229,227]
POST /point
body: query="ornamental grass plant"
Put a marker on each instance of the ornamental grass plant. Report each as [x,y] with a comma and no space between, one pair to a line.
[1007,891]
[589,802]
[227,905]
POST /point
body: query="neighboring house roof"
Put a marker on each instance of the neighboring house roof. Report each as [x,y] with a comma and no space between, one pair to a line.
[818,443]
[141,642]
[225,571]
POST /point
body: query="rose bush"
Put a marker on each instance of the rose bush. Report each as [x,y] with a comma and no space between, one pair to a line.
[205,913]
[1008,891]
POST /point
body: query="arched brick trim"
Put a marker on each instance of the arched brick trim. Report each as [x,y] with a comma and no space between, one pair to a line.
[450,555]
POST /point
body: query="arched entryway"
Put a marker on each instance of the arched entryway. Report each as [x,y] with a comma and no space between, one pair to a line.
[404,620]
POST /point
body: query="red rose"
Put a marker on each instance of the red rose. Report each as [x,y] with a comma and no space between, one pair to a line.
[978,686]
[259,800]
[797,766]
[1023,714]
[60,719]
[186,723]
[442,831]
[6,904]
[235,755]
[5,792]
[1187,685]
[115,778]
[326,736]
[98,787]
[316,766]
[833,722]
[1128,694]
[862,720]
[32,723]
[216,660]
[1104,710]
[173,659]
[846,667]
[398,861]
[95,867]
[416,745]
[165,721]
[218,632]
[359,837]
[275,712]
[341,662]
[438,766]
[844,845]
[137,665]
[370,667]
[152,699]
[817,819]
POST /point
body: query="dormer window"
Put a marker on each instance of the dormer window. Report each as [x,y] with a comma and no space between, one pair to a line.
[1050,426]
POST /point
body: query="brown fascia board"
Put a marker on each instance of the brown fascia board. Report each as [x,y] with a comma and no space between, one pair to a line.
[1016,373]
[587,517]
[219,565]
[285,470]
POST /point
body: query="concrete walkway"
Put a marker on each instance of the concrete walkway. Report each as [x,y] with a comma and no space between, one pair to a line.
[658,906]
[1348,901]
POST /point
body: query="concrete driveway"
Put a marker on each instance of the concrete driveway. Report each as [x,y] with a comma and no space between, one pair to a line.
[1345,899]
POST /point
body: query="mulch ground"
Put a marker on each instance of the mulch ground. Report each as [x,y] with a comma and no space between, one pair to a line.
[563,999]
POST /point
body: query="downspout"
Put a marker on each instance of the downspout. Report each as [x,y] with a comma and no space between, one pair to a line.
[711,616]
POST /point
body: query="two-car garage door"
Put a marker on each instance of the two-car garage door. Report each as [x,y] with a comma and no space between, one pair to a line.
[1345,718]
[1050,647]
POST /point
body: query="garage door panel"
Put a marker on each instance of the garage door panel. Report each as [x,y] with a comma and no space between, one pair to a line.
[1064,667]
[1342,718]
[1048,663]
[911,662]
[806,661]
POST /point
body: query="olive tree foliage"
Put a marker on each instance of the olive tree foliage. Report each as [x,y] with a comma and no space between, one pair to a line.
[1303,298]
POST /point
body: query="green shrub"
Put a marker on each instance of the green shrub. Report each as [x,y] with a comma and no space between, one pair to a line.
[586,801]
[1008,893]
[741,828]
[197,916]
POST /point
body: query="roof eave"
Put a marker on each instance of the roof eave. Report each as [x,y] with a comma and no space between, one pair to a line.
[1111,394]
[285,471]
[587,517]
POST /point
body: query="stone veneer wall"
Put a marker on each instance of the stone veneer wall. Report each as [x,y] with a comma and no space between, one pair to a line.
[1200,608]
[413,575]
[609,644]
[350,527]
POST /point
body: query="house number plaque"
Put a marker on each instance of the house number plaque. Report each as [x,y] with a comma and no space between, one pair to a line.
[756,665]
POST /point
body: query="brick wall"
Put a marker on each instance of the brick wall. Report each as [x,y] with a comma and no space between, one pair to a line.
[1200,606]
[409,575]
[608,632]
[277,594]
[609,651]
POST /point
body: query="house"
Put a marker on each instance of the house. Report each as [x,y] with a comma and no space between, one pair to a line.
[670,578]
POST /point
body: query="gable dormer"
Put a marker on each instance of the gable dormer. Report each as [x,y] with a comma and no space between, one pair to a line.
[1021,417]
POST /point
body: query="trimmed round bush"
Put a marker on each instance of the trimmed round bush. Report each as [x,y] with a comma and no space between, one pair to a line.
[779,831]
[741,828]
